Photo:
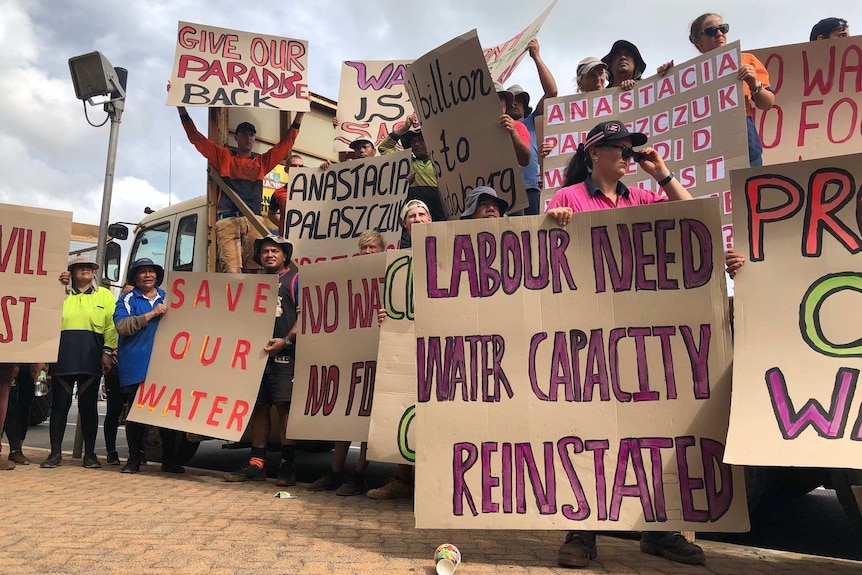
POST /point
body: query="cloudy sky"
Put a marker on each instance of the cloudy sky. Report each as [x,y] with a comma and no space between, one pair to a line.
[52,158]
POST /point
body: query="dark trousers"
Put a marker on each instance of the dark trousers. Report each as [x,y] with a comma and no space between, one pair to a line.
[18,414]
[137,432]
[116,403]
[88,397]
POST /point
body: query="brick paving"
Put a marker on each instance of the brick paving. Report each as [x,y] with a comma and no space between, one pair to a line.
[76,520]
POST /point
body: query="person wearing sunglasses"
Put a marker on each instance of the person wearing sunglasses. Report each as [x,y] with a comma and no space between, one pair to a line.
[830,28]
[593,176]
[708,32]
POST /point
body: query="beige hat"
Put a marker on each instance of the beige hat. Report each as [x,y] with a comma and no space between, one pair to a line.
[498,87]
[82,261]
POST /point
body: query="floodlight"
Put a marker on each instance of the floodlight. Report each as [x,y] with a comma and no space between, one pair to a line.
[93,75]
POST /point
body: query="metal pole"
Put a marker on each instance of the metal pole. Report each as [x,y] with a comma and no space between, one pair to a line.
[115,111]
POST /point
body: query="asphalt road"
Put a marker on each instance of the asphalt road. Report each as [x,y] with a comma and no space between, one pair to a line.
[813,523]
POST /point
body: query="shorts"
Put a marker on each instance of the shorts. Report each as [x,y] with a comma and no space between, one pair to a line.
[275,387]
[235,243]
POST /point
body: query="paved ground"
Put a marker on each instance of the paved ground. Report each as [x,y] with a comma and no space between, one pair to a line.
[76,520]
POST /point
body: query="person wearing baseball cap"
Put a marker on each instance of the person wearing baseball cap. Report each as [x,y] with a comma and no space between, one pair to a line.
[87,343]
[273,253]
[363,148]
[625,64]
[517,131]
[520,110]
[593,183]
[244,172]
[413,212]
[830,28]
[483,202]
[591,75]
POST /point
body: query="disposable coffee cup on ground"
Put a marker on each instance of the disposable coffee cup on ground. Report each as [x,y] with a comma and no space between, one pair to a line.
[447,558]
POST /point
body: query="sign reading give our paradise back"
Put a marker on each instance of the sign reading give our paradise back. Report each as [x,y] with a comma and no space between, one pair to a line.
[208,357]
[576,377]
[217,67]
[694,117]
[796,398]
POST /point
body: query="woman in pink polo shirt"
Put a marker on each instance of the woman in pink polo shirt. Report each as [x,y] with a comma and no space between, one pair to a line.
[593,175]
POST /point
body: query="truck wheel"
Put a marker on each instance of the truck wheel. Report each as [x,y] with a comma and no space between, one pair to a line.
[40,409]
[848,487]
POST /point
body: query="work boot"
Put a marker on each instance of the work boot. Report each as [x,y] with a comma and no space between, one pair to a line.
[8,466]
[171,467]
[672,546]
[579,548]
[329,482]
[19,458]
[54,460]
[355,485]
[393,489]
[91,462]
[113,458]
[286,475]
[131,466]
[246,473]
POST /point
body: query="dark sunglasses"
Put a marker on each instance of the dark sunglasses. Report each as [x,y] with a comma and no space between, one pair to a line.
[711,31]
[625,150]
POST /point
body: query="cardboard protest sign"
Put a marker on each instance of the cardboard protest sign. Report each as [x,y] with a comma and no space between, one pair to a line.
[391,429]
[694,117]
[333,390]
[797,348]
[217,67]
[816,112]
[34,247]
[503,59]
[274,180]
[453,94]
[577,377]
[208,358]
[327,210]
[372,101]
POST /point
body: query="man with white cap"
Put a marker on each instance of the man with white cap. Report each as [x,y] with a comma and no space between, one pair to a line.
[592,75]
[413,212]
[520,110]
[518,131]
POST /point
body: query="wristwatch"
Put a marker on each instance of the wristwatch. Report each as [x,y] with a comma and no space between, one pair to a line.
[757,88]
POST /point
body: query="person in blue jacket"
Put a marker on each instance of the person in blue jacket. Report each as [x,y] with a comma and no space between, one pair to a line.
[137,317]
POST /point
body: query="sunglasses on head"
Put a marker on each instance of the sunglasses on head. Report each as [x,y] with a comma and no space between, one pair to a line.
[625,150]
[711,31]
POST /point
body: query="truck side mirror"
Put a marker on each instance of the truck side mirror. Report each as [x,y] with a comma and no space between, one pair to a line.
[118,231]
[112,260]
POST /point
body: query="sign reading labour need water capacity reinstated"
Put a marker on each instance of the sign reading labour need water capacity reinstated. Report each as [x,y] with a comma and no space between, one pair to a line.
[576,377]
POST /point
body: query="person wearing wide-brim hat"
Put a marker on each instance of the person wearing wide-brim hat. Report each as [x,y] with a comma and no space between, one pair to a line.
[625,64]
[483,202]
[517,130]
[138,315]
[87,343]
[593,176]
[273,253]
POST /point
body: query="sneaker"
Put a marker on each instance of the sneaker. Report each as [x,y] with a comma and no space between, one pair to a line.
[672,546]
[286,475]
[131,466]
[328,482]
[394,489]
[169,467]
[113,458]
[91,462]
[579,548]
[19,458]
[54,460]
[246,473]
[355,485]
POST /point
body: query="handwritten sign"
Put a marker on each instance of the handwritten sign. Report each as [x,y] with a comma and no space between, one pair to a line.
[391,430]
[453,93]
[217,67]
[328,210]
[816,112]
[577,377]
[796,400]
[337,349]
[503,59]
[372,101]
[208,357]
[34,244]
[694,117]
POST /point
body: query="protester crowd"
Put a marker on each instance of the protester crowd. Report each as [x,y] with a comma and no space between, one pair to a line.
[101,335]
